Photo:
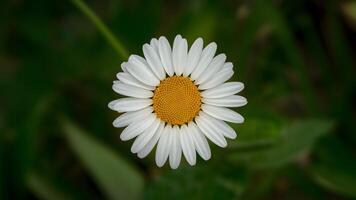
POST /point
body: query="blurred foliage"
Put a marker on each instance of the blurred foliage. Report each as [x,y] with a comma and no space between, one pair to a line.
[294,141]
[116,178]
[334,167]
[296,58]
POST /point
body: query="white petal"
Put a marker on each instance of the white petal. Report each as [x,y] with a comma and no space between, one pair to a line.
[130,80]
[222,76]
[154,44]
[138,68]
[200,142]
[136,128]
[209,130]
[154,61]
[131,91]
[193,56]
[223,90]
[187,142]
[165,52]
[176,149]
[223,113]
[145,137]
[229,101]
[129,117]
[179,54]
[149,146]
[123,67]
[175,47]
[164,146]
[205,59]
[182,56]
[129,104]
[220,126]
[216,65]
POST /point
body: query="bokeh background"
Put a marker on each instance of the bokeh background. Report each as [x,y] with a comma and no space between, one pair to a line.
[296,58]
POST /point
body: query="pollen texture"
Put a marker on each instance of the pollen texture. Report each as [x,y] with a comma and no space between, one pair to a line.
[176,100]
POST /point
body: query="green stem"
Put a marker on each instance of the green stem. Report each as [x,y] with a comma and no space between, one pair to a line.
[105,31]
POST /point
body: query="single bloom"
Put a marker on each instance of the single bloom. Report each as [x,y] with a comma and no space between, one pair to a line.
[176,98]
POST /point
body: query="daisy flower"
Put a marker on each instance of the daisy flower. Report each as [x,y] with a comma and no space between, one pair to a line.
[176,98]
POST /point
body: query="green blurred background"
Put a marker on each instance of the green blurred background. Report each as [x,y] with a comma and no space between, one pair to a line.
[296,59]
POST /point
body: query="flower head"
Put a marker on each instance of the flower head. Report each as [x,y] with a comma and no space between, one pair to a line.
[176,98]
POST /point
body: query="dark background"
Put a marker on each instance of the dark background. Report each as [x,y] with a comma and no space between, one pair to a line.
[296,59]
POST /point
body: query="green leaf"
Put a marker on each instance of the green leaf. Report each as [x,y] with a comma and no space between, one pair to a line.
[296,139]
[43,189]
[335,167]
[114,176]
[256,133]
[336,178]
[213,181]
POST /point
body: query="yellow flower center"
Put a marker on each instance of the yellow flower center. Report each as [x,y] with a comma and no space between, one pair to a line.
[176,100]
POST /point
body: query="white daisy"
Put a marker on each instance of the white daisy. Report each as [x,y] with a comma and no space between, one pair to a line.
[176,98]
